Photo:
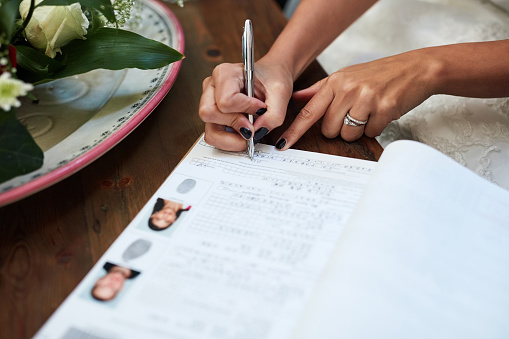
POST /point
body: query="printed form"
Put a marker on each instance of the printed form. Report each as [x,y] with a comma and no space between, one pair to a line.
[226,248]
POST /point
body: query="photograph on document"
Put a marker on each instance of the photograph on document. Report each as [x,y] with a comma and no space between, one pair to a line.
[111,284]
[165,215]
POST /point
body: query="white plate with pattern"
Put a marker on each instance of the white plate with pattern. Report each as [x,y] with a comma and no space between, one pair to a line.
[80,118]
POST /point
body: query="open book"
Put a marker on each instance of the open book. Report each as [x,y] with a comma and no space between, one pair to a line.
[297,244]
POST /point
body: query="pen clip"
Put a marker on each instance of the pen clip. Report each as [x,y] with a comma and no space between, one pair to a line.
[244,48]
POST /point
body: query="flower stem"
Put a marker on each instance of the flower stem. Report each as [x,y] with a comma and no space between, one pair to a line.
[25,22]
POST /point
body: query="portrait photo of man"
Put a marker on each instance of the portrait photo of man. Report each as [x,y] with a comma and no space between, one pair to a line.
[108,286]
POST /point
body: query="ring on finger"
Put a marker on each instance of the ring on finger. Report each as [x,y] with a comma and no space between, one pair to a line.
[353,122]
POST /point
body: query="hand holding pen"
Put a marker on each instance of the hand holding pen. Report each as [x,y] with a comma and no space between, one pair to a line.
[225,105]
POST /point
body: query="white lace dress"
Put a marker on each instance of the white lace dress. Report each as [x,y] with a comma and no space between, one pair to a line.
[474,132]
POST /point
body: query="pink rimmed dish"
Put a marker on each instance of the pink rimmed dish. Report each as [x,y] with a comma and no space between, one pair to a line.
[80,118]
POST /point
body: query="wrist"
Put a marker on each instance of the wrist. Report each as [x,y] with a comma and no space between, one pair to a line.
[477,69]
[283,65]
[433,72]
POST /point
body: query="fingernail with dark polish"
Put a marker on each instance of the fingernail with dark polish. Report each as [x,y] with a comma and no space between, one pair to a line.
[260,133]
[261,111]
[246,132]
[281,143]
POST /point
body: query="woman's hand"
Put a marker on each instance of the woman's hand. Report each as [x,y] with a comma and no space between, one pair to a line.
[223,104]
[377,92]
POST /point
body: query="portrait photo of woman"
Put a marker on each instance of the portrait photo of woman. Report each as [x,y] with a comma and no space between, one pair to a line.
[165,213]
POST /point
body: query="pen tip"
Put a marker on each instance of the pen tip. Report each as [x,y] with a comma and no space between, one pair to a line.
[250,148]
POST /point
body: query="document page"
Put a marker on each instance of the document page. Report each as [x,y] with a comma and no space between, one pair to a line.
[228,247]
[425,255]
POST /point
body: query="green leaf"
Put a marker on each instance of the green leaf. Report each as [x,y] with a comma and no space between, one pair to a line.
[95,22]
[34,65]
[103,6]
[19,154]
[114,49]
[9,11]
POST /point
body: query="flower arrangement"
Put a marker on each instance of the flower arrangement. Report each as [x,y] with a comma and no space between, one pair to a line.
[45,40]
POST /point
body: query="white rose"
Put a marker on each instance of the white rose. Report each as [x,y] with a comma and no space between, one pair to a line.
[53,26]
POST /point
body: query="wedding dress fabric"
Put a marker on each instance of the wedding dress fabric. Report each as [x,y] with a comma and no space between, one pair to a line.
[474,132]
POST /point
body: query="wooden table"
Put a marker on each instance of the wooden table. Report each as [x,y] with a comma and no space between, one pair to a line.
[50,240]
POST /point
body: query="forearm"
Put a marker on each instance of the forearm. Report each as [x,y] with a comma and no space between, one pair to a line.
[313,26]
[479,69]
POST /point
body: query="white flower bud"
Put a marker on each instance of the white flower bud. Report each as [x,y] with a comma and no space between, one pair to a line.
[53,26]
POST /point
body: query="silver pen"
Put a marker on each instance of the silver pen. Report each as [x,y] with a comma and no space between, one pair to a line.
[248,56]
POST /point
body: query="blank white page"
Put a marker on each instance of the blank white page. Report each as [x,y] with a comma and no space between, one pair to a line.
[425,255]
